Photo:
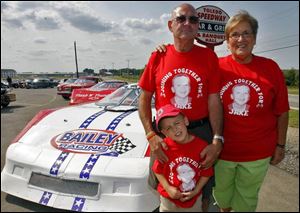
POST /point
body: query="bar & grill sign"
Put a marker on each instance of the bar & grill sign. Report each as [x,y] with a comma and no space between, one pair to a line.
[212,25]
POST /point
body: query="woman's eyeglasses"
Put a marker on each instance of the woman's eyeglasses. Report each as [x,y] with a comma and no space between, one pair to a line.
[182,19]
[236,35]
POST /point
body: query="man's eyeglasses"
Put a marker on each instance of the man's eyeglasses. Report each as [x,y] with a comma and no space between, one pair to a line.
[182,19]
[236,36]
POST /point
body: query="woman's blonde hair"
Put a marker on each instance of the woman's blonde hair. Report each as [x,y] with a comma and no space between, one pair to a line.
[241,16]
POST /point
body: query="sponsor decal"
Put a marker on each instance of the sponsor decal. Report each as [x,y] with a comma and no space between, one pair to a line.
[63,156]
[119,146]
[91,141]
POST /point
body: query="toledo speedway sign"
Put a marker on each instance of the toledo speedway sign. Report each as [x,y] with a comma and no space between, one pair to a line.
[212,25]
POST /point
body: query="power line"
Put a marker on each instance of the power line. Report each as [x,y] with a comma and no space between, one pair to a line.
[266,40]
[280,48]
[283,13]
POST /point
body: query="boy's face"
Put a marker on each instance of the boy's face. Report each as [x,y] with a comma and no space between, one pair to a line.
[175,128]
[181,86]
[241,95]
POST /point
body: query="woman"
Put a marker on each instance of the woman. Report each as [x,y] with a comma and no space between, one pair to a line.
[256,138]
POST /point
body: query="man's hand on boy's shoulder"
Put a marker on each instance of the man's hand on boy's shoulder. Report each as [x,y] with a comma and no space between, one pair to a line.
[210,154]
[156,145]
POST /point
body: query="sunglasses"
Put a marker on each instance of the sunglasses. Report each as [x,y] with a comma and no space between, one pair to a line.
[182,19]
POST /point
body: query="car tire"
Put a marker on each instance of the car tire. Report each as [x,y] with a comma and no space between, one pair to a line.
[66,97]
[4,100]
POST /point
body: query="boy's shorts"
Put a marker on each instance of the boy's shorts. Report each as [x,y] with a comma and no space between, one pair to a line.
[168,206]
[238,183]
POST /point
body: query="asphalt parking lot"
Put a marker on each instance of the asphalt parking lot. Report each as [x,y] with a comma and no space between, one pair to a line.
[13,119]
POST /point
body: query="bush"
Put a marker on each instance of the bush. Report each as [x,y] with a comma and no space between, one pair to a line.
[291,77]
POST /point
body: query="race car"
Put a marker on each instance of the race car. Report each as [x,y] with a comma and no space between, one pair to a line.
[96,92]
[65,89]
[89,157]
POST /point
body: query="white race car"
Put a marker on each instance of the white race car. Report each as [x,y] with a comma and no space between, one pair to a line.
[92,157]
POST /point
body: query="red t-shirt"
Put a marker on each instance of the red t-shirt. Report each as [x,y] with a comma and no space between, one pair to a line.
[183,168]
[253,97]
[183,79]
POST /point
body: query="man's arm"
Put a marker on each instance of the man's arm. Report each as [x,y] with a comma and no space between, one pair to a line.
[145,114]
[215,113]
[213,150]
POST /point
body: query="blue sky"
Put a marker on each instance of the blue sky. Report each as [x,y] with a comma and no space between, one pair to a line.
[39,36]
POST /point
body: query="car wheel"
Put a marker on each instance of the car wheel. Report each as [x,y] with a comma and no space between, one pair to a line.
[4,100]
[66,97]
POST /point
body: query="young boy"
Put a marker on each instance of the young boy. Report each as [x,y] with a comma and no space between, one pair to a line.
[180,179]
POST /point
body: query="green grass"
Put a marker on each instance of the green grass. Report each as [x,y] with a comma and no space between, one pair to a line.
[293,90]
[294,118]
[128,78]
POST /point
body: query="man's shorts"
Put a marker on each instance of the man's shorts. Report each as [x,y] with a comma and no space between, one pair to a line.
[238,183]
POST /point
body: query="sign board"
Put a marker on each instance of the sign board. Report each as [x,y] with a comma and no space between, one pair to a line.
[212,25]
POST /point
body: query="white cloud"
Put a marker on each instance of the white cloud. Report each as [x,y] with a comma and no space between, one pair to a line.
[44,19]
[40,40]
[142,24]
[41,53]
[80,16]
[114,32]
[146,41]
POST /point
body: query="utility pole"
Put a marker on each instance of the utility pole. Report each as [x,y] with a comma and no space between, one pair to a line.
[77,74]
[128,67]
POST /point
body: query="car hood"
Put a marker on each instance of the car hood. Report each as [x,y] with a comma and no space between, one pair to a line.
[67,140]
[88,125]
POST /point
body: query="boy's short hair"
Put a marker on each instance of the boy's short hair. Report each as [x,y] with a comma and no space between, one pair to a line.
[166,111]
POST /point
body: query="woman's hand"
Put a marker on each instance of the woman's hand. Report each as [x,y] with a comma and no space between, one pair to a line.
[278,155]
[161,48]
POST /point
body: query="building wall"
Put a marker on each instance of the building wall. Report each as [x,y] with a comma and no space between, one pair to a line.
[8,72]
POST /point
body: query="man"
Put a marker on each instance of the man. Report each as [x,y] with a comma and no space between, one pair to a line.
[9,81]
[200,65]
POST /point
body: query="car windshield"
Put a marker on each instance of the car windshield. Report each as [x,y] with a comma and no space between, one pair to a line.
[126,95]
[83,81]
[40,80]
[70,80]
[123,96]
[107,85]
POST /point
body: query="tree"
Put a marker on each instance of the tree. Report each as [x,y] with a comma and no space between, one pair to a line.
[88,71]
[291,77]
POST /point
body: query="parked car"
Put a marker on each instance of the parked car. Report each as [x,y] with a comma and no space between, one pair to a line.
[65,89]
[15,83]
[96,92]
[40,83]
[28,83]
[54,82]
[7,95]
[87,157]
